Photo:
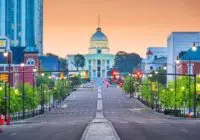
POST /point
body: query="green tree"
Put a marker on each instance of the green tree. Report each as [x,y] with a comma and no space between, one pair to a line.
[79,61]
[159,77]
[145,90]
[127,62]
[129,85]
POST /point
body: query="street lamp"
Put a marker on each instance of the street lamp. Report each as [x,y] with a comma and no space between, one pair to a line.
[194,48]
[50,77]
[23,95]
[34,71]
[42,74]
[177,63]
[6,55]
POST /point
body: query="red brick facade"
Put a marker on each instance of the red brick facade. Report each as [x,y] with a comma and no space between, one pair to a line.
[183,67]
[16,77]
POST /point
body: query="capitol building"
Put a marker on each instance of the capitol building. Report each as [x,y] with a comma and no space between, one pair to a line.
[98,61]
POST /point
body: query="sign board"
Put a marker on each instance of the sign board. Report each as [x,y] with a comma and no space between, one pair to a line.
[61,75]
[2,43]
[4,77]
[153,86]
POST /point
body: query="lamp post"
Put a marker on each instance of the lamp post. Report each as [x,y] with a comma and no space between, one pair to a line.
[5,100]
[176,63]
[23,95]
[194,48]
[34,71]
[8,56]
[42,96]
[49,94]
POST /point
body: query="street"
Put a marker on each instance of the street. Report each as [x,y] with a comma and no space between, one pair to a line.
[130,119]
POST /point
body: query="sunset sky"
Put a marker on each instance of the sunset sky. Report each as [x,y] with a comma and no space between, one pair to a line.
[130,25]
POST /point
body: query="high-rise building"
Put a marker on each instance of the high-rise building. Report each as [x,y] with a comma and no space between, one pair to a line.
[22,22]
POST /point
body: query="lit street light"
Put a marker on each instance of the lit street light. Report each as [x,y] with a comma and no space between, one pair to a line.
[23,95]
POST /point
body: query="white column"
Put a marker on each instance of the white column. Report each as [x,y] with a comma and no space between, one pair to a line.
[2,17]
[23,22]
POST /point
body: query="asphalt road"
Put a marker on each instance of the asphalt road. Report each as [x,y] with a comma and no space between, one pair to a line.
[131,120]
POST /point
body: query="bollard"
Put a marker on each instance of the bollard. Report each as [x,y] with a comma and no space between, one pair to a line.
[1,122]
[8,119]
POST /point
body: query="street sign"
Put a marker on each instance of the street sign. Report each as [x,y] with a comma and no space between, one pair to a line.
[2,43]
[4,77]
[153,86]
[61,75]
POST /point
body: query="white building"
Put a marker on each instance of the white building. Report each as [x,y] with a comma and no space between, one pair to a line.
[176,43]
[98,61]
[156,58]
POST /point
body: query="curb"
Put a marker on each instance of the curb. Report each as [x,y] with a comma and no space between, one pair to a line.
[161,114]
[104,121]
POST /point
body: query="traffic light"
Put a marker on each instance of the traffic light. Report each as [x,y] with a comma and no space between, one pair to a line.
[138,75]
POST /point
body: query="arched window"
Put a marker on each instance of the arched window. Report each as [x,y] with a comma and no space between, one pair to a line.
[30,61]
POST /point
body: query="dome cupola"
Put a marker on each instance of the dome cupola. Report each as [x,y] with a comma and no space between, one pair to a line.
[99,36]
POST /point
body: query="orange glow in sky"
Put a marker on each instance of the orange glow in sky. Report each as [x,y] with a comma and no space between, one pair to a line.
[130,25]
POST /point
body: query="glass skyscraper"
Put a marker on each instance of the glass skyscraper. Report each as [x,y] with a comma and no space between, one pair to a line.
[22,22]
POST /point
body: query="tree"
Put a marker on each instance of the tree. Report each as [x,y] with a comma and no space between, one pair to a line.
[159,77]
[145,90]
[129,85]
[63,65]
[127,62]
[79,61]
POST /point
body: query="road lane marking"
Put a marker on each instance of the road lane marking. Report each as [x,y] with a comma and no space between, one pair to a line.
[99,96]
[184,130]
[13,134]
[99,105]
[105,128]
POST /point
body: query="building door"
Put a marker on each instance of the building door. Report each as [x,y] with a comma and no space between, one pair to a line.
[98,68]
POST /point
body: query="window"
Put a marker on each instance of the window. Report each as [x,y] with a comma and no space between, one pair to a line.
[99,51]
[108,61]
[151,67]
[190,68]
[155,57]
[99,62]
[98,68]
[90,67]
[30,61]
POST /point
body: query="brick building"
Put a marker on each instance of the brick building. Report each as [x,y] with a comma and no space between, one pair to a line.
[189,62]
[16,56]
